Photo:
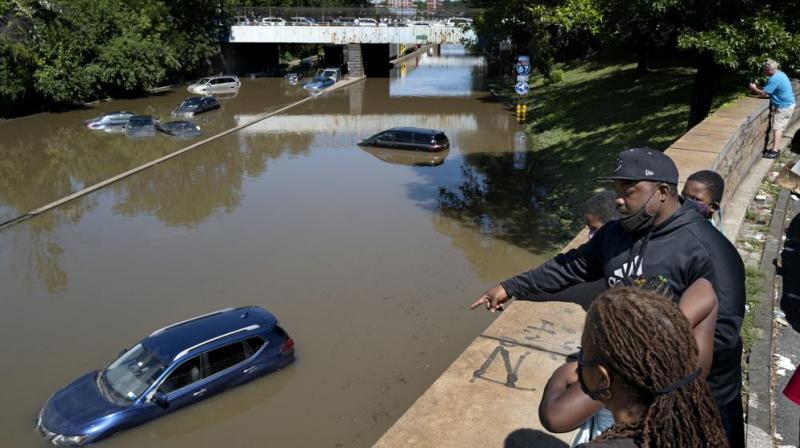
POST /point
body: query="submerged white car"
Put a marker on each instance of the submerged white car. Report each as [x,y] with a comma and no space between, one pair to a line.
[215,84]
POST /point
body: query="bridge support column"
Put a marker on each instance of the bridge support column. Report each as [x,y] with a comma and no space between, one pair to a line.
[376,60]
[245,58]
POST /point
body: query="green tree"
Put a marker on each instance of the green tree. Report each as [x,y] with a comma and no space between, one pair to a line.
[737,36]
[85,48]
[16,59]
[641,26]
[195,28]
[530,27]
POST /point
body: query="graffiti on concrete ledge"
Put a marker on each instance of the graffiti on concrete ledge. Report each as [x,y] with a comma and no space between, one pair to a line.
[511,371]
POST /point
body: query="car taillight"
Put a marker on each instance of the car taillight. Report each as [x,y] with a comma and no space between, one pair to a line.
[287,346]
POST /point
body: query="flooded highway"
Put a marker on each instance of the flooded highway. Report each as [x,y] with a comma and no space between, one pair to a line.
[368,257]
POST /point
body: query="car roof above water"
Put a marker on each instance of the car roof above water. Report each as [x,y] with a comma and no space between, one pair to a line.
[417,130]
[167,342]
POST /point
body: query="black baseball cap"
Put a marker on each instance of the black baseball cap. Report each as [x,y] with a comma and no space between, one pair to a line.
[644,164]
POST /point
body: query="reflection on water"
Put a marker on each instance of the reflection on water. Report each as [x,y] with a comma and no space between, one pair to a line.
[369,257]
[49,156]
[405,157]
[423,76]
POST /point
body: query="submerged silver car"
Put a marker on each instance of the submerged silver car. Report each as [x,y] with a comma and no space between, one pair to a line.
[109,121]
[215,84]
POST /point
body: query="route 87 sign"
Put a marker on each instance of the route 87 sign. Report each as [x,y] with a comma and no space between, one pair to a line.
[521,88]
[523,69]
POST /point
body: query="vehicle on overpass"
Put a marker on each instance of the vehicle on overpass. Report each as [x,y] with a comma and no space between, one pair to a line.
[367,22]
[323,79]
[458,21]
[272,21]
[176,366]
[301,21]
[418,139]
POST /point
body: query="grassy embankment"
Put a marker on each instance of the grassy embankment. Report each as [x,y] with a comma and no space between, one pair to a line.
[577,126]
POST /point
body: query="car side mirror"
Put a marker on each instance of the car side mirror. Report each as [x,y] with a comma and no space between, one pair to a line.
[160,398]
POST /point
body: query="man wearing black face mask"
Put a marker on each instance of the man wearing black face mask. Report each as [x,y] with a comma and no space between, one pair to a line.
[658,238]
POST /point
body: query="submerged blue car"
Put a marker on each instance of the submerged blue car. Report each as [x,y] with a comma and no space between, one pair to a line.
[323,79]
[175,366]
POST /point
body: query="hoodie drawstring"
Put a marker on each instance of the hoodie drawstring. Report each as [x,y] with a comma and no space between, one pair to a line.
[633,264]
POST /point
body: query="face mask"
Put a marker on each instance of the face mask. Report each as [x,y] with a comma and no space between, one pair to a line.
[640,220]
[593,394]
[701,207]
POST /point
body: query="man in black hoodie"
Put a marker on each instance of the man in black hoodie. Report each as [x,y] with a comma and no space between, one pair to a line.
[658,237]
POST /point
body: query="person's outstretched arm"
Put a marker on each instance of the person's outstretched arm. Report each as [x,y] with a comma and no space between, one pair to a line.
[579,265]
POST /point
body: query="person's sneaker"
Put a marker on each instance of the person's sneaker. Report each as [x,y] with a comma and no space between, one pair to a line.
[770,154]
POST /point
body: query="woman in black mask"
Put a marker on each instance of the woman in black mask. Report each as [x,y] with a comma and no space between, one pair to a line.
[640,360]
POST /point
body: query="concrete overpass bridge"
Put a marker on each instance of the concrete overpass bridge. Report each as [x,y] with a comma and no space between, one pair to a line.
[344,35]
[359,50]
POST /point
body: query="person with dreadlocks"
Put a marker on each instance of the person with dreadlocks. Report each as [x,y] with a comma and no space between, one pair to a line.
[639,359]
[564,406]
[659,235]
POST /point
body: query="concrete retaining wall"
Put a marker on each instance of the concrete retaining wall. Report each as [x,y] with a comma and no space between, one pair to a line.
[490,395]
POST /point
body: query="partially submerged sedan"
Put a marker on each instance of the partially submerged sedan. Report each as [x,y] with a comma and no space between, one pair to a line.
[196,105]
[141,126]
[409,138]
[180,129]
[109,121]
[176,366]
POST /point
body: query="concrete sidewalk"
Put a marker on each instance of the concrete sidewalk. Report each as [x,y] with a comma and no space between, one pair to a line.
[786,345]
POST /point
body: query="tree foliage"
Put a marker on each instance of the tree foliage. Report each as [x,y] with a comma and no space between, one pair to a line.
[716,36]
[64,51]
[535,28]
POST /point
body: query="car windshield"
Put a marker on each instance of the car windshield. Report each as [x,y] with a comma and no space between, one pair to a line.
[133,372]
[191,103]
[203,81]
[329,74]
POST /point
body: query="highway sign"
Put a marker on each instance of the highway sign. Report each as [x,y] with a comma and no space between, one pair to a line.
[522,78]
[523,69]
[521,88]
[524,59]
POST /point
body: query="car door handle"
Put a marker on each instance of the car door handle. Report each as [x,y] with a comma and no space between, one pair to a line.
[199,393]
[250,369]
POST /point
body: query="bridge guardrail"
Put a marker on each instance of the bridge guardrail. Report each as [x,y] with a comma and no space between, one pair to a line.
[325,15]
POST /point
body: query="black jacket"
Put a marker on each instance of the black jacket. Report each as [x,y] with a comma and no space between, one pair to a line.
[682,249]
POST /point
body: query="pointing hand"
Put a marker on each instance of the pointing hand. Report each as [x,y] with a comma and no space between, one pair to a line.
[494,299]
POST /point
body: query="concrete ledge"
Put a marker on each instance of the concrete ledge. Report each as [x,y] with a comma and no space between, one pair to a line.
[491,393]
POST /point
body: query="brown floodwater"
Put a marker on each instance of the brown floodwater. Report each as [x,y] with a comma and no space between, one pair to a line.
[368,257]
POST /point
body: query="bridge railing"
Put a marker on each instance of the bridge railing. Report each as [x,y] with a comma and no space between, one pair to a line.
[332,16]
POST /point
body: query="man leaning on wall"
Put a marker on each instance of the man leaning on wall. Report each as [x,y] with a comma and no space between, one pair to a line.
[779,91]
